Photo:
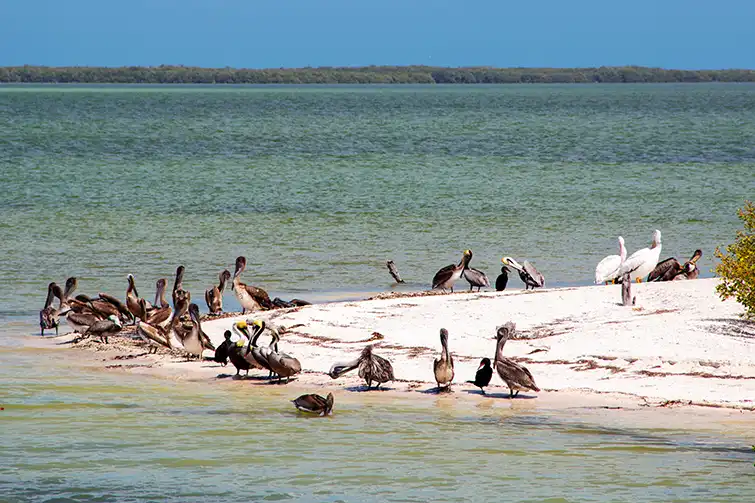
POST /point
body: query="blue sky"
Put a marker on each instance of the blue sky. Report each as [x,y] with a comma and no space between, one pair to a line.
[686,34]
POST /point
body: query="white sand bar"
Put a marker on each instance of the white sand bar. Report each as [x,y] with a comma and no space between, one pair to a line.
[679,342]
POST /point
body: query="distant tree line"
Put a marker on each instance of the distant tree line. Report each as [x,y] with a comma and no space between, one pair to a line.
[166,74]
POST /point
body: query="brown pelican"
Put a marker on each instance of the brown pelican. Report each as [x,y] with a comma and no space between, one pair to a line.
[642,262]
[483,375]
[315,404]
[261,354]
[502,280]
[447,276]
[221,352]
[476,278]
[371,368]
[691,271]
[281,363]
[240,353]
[300,302]
[160,300]
[530,276]
[178,283]
[155,336]
[250,297]
[607,269]
[155,317]
[670,269]
[71,284]
[49,316]
[132,299]
[515,376]
[444,366]
[214,296]
[181,301]
[124,313]
[393,271]
[195,342]
[80,322]
[104,328]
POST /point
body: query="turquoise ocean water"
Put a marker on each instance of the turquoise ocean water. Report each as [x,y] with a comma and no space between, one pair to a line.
[317,187]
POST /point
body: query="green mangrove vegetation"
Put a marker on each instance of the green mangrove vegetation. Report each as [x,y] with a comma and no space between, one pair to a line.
[168,74]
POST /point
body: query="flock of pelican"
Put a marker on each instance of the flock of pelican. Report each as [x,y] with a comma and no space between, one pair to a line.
[179,327]
[447,276]
[643,264]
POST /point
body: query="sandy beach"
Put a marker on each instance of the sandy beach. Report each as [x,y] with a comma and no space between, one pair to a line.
[679,345]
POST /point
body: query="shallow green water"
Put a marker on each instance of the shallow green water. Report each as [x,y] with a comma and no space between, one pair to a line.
[318,187]
[76,434]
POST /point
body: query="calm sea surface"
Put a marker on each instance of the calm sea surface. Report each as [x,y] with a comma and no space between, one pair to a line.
[317,187]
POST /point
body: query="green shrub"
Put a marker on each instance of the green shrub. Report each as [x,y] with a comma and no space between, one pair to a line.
[737,267]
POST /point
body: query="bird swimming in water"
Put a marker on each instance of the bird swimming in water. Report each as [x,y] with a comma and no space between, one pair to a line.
[315,404]
[670,269]
[516,377]
[250,297]
[502,280]
[483,375]
[642,262]
[607,270]
[371,368]
[530,276]
[447,276]
[443,368]
[214,296]
[49,316]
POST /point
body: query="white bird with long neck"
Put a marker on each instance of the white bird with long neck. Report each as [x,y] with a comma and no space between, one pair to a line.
[642,262]
[608,268]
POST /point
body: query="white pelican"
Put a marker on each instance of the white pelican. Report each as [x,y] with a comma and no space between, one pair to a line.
[642,262]
[608,268]
[527,272]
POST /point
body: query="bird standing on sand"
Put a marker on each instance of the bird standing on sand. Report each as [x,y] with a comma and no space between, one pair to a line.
[104,328]
[250,297]
[483,375]
[530,276]
[444,366]
[49,316]
[475,277]
[502,280]
[315,404]
[607,269]
[642,262]
[516,377]
[196,341]
[447,276]
[214,296]
[282,363]
[221,352]
[371,368]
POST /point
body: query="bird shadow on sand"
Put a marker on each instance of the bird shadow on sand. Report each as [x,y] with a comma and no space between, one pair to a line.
[235,377]
[475,392]
[364,388]
[436,391]
[507,396]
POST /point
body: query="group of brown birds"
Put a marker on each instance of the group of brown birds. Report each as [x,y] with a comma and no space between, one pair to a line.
[179,328]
